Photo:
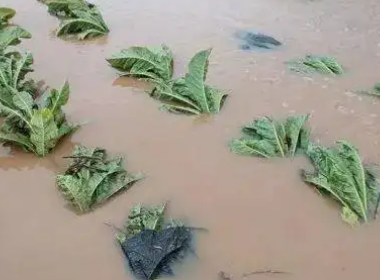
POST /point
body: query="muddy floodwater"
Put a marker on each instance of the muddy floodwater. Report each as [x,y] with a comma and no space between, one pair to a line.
[259,214]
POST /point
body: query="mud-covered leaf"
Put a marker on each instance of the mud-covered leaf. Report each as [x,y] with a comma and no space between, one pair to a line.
[266,137]
[316,64]
[92,178]
[340,173]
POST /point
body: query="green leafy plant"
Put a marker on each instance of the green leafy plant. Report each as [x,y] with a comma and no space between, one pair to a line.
[266,137]
[79,18]
[188,95]
[340,173]
[13,70]
[92,178]
[35,125]
[10,34]
[316,64]
[148,63]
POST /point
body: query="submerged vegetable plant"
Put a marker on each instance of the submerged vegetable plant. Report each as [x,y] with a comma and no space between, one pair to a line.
[150,245]
[35,125]
[266,137]
[375,91]
[79,18]
[10,34]
[340,173]
[316,64]
[188,95]
[92,178]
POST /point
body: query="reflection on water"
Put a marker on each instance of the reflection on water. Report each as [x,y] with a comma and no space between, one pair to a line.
[259,214]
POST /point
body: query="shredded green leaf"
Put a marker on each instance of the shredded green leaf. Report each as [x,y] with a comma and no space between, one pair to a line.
[187,95]
[92,178]
[340,173]
[266,137]
[316,64]
[79,18]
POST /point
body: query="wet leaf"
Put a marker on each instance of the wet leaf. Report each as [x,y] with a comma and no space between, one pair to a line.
[340,173]
[266,137]
[92,178]
[42,125]
[316,64]
[187,95]
[79,18]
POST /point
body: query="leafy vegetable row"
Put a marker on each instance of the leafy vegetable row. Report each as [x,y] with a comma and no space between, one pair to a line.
[339,171]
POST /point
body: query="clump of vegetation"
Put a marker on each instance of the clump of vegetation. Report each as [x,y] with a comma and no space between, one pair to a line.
[187,95]
[79,18]
[10,34]
[374,91]
[266,137]
[150,245]
[38,124]
[92,178]
[316,64]
[340,173]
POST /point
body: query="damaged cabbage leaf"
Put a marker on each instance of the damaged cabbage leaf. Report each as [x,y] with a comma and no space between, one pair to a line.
[187,95]
[152,64]
[150,245]
[79,18]
[92,178]
[266,137]
[10,34]
[36,125]
[316,64]
[340,173]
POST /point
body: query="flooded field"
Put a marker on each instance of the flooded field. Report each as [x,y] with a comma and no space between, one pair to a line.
[259,214]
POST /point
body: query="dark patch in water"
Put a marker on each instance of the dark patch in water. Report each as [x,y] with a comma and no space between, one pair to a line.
[256,41]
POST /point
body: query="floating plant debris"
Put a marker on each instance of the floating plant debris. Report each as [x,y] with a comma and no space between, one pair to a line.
[251,40]
[374,91]
[266,137]
[150,245]
[316,64]
[341,174]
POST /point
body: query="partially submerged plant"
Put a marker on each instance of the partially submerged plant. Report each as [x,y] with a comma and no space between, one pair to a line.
[79,18]
[92,178]
[10,34]
[316,64]
[13,70]
[150,245]
[151,64]
[266,137]
[341,174]
[35,125]
[374,91]
[188,95]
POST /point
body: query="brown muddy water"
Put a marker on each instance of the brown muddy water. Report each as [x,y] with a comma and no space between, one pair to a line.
[259,214]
